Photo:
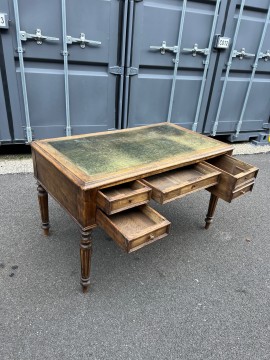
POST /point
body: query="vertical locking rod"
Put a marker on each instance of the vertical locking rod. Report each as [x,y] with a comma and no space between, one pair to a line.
[65,55]
[128,62]
[214,129]
[255,65]
[176,63]
[206,66]
[22,70]
[122,64]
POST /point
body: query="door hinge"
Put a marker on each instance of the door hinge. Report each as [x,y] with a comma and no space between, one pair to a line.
[29,133]
[266,126]
[130,71]
[116,70]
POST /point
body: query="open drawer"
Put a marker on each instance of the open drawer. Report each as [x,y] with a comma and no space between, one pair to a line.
[134,228]
[236,178]
[177,183]
[123,197]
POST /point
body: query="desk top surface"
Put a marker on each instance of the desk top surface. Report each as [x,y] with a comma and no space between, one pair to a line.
[103,158]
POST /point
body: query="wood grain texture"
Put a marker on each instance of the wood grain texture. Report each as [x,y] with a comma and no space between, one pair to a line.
[134,228]
[175,184]
[57,184]
[44,209]
[80,180]
[85,255]
[123,197]
[78,203]
[234,175]
[211,210]
[182,157]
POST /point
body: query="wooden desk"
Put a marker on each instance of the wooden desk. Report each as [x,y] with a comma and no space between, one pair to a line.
[106,179]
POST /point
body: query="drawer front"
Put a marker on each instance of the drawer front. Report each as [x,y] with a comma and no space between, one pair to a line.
[248,176]
[178,183]
[243,190]
[123,197]
[134,228]
[235,175]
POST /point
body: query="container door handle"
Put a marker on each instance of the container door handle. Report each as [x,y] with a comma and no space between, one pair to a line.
[163,48]
[265,56]
[241,54]
[38,37]
[82,40]
[195,50]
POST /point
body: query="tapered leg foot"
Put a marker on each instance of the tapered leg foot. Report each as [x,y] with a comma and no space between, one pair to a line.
[85,254]
[44,209]
[211,210]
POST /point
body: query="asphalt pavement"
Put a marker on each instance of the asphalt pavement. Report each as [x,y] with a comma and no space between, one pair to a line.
[196,294]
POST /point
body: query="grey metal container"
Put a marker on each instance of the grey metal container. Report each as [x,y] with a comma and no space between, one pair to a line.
[76,67]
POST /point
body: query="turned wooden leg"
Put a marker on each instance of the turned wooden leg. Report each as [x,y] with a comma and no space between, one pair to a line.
[44,210]
[85,253]
[211,209]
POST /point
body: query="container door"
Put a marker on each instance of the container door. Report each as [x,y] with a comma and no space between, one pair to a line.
[171,61]
[5,135]
[62,52]
[240,99]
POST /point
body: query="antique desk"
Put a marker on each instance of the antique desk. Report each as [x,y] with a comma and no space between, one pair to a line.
[106,179]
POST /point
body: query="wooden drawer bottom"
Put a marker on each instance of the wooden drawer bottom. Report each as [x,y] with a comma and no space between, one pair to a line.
[177,183]
[134,228]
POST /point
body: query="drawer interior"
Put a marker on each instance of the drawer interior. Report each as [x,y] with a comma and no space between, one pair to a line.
[235,174]
[176,183]
[177,177]
[122,197]
[132,222]
[134,228]
[231,165]
[121,190]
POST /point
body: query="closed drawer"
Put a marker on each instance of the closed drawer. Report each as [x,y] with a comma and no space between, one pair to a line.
[134,228]
[177,183]
[235,174]
[123,197]
[241,191]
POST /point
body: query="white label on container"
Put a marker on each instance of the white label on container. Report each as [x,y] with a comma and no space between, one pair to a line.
[2,20]
[223,42]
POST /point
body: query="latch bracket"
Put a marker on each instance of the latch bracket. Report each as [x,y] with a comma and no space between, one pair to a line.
[116,70]
[241,54]
[163,48]
[195,50]
[82,40]
[132,71]
[265,56]
[38,37]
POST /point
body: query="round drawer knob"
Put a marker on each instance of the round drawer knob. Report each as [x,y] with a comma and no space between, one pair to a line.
[151,236]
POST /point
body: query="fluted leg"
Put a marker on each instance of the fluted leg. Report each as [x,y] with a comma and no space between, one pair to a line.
[85,253]
[44,210]
[211,210]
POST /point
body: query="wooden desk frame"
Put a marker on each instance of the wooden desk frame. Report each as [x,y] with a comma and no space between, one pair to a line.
[77,193]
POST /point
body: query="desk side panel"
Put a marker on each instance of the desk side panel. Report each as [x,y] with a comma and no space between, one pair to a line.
[69,195]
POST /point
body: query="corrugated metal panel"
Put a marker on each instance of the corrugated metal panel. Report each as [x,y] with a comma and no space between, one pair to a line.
[4,126]
[151,61]
[240,99]
[164,90]
[83,93]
